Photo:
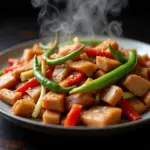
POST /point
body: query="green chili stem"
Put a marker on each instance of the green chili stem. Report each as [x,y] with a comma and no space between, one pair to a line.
[54,87]
[61,59]
[110,77]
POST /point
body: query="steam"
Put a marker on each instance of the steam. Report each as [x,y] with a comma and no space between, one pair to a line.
[88,17]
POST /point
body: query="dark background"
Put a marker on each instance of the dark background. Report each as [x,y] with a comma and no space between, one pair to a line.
[18,23]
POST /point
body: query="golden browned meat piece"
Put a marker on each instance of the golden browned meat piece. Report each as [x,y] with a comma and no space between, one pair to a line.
[105,44]
[64,50]
[143,72]
[29,53]
[23,108]
[99,73]
[10,97]
[51,117]
[100,116]
[146,98]
[7,80]
[85,99]
[54,101]
[138,105]
[145,57]
[84,66]
[84,56]
[136,84]
[34,93]
[141,61]
[148,63]
[112,95]
[106,64]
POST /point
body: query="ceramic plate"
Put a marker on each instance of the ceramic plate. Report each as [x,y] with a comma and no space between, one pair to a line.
[17,51]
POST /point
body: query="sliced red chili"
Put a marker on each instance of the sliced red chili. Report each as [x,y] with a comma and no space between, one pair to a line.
[128,110]
[32,83]
[73,79]
[73,115]
[95,52]
[6,70]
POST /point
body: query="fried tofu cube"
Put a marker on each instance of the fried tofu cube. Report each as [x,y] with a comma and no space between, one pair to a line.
[84,66]
[7,80]
[84,99]
[34,93]
[112,95]
[54,101]
[23,108]
[100,116]
[146,99]
[51,117]
[138,105]
[106,64]
[136,84]
[10,97]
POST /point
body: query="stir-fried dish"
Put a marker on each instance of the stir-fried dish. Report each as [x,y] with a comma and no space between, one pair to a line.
[85,82]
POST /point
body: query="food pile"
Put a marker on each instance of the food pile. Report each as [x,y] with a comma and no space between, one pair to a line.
[80,82]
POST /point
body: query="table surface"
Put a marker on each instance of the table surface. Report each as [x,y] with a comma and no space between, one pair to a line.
[14,137]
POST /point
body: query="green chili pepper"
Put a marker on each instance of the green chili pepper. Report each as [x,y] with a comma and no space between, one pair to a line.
[47,47]
[118,55]
[87,42]
[110,77]
[54,87]
[61,59]
[90,42]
